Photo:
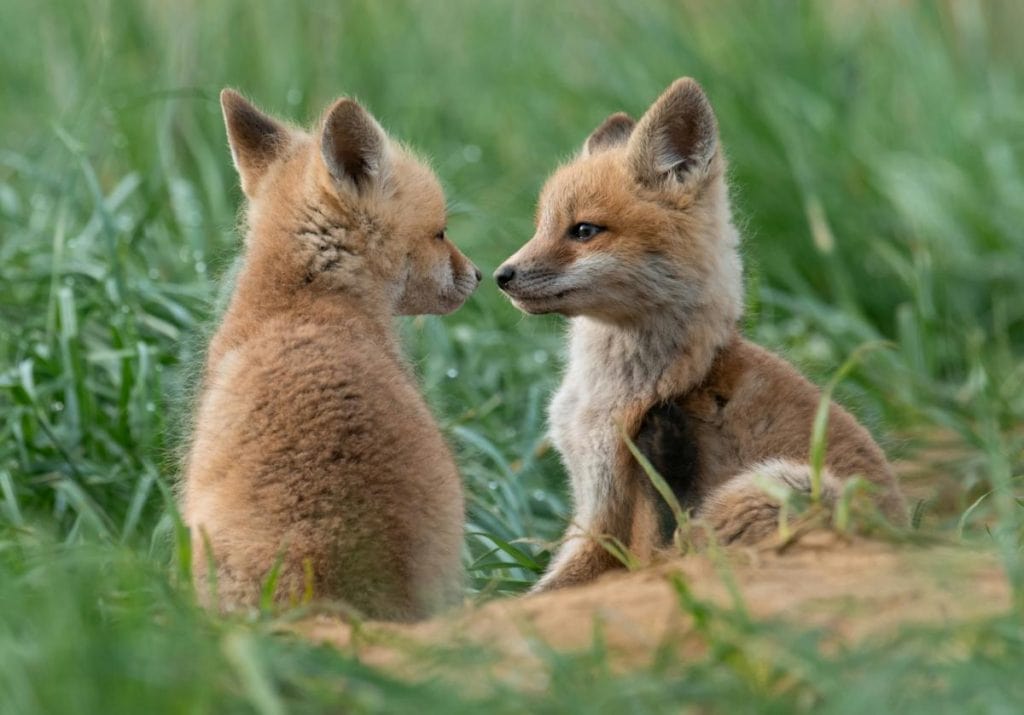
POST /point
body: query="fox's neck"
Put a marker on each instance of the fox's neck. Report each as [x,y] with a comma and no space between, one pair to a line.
[265,294]
[654,360]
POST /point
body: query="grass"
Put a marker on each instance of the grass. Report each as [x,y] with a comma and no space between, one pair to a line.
[877,159]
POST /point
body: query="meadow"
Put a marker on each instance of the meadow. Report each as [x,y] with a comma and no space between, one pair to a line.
[877,165]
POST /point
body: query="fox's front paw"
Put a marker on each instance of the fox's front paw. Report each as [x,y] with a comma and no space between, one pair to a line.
[583,563]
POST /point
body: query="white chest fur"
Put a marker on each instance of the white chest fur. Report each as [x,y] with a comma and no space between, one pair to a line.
[608,369]
[584,430]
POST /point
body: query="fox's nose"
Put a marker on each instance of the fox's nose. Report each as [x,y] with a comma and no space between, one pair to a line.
[478,274]
[504,275]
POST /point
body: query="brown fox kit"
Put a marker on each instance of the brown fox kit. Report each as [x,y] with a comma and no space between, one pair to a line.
[313,447]
[635,243]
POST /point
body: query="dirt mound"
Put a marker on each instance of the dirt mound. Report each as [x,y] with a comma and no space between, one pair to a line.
[851,589]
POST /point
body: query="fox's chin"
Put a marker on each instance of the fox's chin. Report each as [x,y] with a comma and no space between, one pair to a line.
[543,306]
[532,308]
[455,296]
[443,304]
[452,302]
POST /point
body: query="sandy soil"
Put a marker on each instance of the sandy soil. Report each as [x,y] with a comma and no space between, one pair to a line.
[849,588]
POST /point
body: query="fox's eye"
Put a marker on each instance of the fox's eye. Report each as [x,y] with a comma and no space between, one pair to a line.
[441,235]
[584,231]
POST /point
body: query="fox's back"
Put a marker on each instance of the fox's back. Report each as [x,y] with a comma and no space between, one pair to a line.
[314,439]
[322,399]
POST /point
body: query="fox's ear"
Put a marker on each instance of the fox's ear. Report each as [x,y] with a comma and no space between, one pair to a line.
[255,138]
[613,131]
[677,137]
[354,146]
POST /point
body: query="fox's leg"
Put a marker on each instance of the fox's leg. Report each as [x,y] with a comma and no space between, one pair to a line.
[580,559]
[742,511]
[604,499]
[627,532]
[618,500]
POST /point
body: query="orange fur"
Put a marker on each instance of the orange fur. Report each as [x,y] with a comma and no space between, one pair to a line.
[635,243]
[312,443]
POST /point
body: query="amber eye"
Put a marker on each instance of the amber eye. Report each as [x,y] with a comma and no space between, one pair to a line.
[584,231]
[441,235]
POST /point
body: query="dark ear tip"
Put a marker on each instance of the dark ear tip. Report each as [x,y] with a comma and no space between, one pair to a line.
[689,89]
[343,108]
[693,94]
[339,119]
[352,143]
[686,84]
[230,98]
[612,131]
[687,97]
[620,121]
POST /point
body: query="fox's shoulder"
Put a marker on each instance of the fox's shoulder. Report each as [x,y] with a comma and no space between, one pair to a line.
[744,371]
[753,389]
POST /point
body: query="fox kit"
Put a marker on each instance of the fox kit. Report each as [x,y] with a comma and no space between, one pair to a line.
[635,243]
[313,449]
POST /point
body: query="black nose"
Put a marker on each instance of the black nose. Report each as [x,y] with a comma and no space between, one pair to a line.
[478,274]
[504,275]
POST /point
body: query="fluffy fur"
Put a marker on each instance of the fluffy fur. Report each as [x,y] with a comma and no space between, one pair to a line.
[654,298]
[312,443]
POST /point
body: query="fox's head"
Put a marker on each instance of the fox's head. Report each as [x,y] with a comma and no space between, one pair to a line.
[638,224]
[344,208]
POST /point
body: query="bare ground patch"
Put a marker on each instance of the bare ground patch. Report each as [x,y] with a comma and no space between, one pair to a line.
[849,588]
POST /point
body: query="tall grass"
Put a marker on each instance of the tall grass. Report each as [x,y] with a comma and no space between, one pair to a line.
[877,159]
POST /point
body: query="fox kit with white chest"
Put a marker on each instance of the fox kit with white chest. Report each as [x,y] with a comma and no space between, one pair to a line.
[635,244]
[313,448]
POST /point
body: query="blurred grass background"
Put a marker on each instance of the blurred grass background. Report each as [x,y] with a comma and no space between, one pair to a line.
[877,160]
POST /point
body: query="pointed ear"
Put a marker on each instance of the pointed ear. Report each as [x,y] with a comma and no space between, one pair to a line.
[613,131]
[354,146]
[255,138]
[677,137]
